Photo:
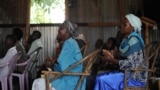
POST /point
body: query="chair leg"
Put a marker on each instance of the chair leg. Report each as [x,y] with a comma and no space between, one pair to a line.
[10,83]
[27,83]
[2,84]
[79,83]
[21,80]
[6,83]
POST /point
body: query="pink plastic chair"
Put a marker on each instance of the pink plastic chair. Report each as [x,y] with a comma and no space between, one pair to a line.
[23,77]
[11,66]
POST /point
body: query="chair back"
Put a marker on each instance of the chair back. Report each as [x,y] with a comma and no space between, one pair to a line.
[152,58]
[34,56]
[27,63]
[84,50]
[152,51]
[87,61]
[13,62]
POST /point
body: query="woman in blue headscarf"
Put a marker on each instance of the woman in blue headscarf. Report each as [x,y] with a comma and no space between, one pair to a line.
[132,48]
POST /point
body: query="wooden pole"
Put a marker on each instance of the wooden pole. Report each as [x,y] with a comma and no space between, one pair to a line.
[147,34]
[121,10]
[27,30]
[66,10]
[148,23]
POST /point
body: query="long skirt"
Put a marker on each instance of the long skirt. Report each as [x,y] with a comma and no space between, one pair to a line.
[114,80]
[40,84]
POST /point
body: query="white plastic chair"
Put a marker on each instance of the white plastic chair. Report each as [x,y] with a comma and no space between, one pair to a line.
[23,77]
[11,66]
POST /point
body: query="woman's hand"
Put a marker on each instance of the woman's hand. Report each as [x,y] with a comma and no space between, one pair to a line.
[50,61]
[107,56]
[107,53]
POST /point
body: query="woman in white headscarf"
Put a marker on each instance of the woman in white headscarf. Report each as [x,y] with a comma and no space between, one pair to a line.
[131,48]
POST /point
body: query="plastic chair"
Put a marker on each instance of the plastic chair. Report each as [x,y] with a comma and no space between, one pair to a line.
[87,60]
[11,66]
[23,77]
[152,53]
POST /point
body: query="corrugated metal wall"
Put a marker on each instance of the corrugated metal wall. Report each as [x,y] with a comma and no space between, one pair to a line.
[83,11]
[101,11]
[49,36]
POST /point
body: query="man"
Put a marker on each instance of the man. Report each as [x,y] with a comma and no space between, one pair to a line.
[35,43]
[19,46]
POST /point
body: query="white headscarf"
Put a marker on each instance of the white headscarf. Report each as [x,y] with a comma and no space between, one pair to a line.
[81,36]
[135,22]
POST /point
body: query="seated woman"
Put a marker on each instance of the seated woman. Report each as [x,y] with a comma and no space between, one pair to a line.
[67,57]
[131,47]
[101,65]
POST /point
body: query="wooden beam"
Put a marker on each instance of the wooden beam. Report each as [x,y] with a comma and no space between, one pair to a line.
[93,24]
[66,10]
[148,21]
[99,24]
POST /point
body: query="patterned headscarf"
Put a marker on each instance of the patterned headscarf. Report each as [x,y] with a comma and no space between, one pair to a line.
[135,22]
[71,27]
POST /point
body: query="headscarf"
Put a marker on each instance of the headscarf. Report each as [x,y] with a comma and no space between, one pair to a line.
[131,44]
[71,27]
[135,22]
[81,36]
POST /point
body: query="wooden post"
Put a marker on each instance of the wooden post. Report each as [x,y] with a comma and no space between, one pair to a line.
[158,84]
[148,23]
[66,10]
[121,10]
[27,29]
[147,34]
[47,82]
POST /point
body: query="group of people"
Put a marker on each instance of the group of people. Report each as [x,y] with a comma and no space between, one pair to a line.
[13,44]
[131,48]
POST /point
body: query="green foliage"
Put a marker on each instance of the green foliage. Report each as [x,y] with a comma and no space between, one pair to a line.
[41,9]
[46,4]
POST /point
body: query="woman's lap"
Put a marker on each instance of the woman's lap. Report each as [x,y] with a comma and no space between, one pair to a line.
[114,81]
[40,84]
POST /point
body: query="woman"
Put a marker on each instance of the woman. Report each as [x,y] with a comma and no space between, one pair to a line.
[70,53]
[131,47]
